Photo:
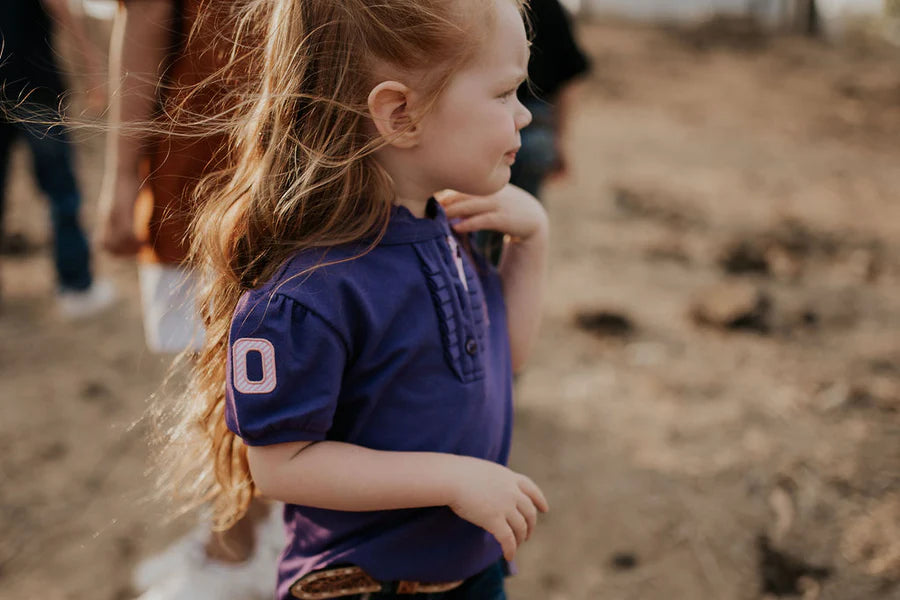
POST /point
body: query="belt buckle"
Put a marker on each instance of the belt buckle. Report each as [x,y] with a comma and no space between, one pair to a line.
[352,580]
[334,583]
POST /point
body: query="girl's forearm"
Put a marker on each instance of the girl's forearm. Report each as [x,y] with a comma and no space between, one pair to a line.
[341,476]
[523,271]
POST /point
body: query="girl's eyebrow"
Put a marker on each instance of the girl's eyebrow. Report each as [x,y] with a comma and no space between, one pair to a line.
[518,79]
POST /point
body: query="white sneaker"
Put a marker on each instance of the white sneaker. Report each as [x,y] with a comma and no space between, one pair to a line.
[184,572]
[80,304]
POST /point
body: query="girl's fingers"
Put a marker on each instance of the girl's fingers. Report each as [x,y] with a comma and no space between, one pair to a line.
[529,513]
[476,223]
[469,206]
[504,535]
[531,490]
[519,526]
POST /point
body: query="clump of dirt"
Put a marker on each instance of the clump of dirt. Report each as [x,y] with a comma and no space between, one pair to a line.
[604,323]
[787,250]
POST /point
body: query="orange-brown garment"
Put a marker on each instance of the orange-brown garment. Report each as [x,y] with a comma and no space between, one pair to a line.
[176,163]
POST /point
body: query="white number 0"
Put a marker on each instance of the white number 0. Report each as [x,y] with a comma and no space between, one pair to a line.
[242,381]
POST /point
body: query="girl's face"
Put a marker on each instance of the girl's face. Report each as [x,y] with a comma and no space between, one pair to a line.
[469,140]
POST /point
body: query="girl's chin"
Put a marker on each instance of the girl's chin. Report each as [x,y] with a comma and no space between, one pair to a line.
[492,184]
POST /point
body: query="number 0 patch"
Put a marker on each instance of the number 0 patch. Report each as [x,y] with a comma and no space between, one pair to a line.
[242,381]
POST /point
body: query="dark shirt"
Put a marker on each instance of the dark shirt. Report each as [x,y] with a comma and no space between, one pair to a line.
[404,349]
[556,58]
[28,64]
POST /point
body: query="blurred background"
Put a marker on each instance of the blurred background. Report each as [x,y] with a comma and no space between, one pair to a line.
[714,403]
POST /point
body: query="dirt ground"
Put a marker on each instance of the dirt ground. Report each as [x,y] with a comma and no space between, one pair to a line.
[714,403]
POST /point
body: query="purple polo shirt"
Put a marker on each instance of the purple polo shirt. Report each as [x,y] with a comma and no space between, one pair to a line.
[406,349]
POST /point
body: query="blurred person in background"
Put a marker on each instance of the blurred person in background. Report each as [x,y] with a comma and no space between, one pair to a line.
[31,90]
[159,49]
[557,63]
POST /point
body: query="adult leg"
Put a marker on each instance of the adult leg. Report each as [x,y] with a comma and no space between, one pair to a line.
[244,566]
[237,564]
[52,158]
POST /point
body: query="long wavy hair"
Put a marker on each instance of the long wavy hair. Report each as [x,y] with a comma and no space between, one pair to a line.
[300,174]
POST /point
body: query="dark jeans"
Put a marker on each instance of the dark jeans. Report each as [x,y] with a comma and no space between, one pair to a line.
[534,161]
[52,162]
[487,585]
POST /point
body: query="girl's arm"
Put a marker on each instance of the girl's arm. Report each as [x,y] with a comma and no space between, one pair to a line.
[523,267]
[340,476]
[524,262]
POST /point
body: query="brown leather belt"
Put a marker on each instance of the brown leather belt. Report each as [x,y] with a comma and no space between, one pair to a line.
[347,581]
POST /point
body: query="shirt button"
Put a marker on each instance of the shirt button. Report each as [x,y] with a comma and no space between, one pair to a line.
[471,347]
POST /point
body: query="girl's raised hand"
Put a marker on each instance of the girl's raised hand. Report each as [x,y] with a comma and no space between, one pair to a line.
[511,210]
[499,500]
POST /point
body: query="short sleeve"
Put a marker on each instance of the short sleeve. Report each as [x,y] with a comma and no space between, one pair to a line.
[284,373]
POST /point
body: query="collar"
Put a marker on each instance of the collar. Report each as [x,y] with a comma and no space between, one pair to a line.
[405,228]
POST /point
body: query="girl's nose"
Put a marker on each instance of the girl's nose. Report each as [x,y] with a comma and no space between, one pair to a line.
[523,117]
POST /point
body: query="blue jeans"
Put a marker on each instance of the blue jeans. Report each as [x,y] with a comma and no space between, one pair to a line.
[487,585]
[52,162]
[537,157]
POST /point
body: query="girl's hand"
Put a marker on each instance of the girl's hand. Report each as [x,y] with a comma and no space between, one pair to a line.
[499,500]
[511,210]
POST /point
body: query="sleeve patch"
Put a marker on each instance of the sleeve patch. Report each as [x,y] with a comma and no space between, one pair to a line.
[242,382]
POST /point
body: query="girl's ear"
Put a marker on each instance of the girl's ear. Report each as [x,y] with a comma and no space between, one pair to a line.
[389,105]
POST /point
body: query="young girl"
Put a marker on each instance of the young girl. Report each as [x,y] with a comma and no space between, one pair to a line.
[360,357]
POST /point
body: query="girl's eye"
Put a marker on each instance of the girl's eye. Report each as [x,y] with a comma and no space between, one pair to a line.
[508,94]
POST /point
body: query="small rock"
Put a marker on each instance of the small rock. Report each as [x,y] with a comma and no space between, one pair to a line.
[94,390]
[604,323]
[624,561]
[733,305]
[744,256]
